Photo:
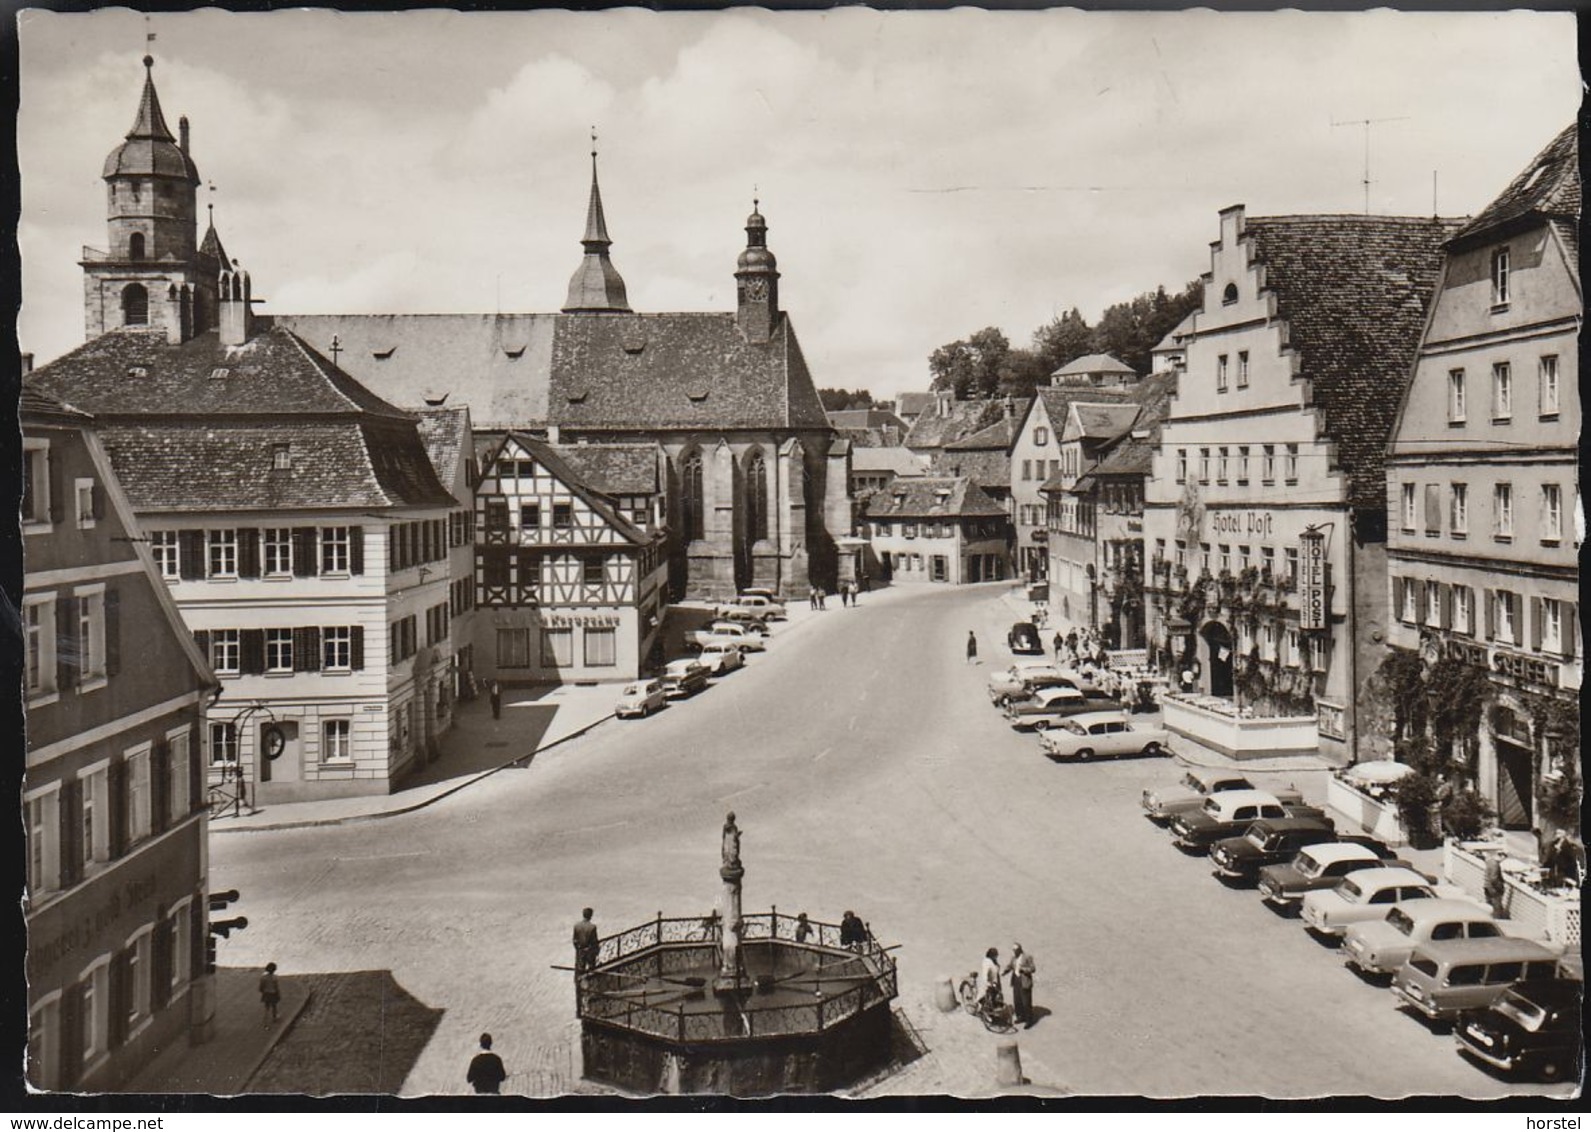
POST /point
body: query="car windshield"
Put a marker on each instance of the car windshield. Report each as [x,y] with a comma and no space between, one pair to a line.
[1401,920]
[1191,781]
[1257,836]
[1516,1006]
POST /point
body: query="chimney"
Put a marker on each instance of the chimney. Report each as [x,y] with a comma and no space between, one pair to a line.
[236,319]
[1010,408]
[182,132]
[552,434]
[27,364]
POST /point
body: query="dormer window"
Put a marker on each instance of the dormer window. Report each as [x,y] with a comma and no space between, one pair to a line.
[219,372]
[137,371]
[281,457]
[1229,295]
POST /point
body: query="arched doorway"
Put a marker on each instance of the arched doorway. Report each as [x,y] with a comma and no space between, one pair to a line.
[1218,658]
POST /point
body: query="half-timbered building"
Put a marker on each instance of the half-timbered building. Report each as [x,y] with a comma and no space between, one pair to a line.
[568,586]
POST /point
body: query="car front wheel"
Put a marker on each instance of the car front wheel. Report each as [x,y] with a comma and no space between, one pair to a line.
[1154,750]
[1086,753]
[1042,725]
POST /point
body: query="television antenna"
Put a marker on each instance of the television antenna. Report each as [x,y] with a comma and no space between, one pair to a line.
[1367,123]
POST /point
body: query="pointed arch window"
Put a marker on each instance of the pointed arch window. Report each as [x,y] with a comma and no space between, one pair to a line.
[757,497]
[135,246]
[135,305]
[692,496]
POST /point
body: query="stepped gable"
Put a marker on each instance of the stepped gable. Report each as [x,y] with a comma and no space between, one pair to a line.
[1354,291]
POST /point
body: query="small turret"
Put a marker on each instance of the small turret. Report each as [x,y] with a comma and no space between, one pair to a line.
[235,316]
[757,282]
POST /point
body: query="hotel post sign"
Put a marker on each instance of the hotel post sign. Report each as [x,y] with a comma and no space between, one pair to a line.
[1312,580]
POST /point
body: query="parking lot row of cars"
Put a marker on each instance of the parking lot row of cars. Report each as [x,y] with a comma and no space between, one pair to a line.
[1512,1003]
[739,626]
[1075,718]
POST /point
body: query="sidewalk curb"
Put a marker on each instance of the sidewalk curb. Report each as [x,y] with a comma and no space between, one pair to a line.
[518,760]
[276,1040]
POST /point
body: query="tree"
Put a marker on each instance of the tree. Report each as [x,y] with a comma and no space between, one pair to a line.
[971,367]
[1061,340]
[1129,331]
[834,400]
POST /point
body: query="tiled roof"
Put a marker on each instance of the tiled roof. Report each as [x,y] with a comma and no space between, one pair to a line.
[871,437]
[1093,363]
[1570,235]
[1169,342]
[1001,434]
[446,436]
[1546,189]
[911,404]
[553,460]
[911,497]
[931,430]
[1104,422]
[613,469]
[199,465]
[1354,291]
[1153,396]
[866,419]
[33,403]
[1057,400]
[1131,457]
[901,461]
[989,467]
[274,372]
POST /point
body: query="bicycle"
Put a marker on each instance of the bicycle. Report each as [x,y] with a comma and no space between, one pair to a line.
[992,1010]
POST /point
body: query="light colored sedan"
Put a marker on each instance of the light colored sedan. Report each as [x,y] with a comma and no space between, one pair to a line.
[1102,734]
[640,698]
[1365,895]
[1380,947]
[1166,802]
[721,657]
[683,677]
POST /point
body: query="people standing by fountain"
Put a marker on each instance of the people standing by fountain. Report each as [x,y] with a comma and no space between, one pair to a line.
[486,1073]
[585,941]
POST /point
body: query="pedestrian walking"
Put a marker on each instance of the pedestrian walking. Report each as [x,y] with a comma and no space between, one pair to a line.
[270,994]
[1021,968]
[585,940]
[867,582]
[1060,643]
[497,700]
[972,647]
[1071,642]
[486,1073]
[803,928]
[821,596]
[1493,888]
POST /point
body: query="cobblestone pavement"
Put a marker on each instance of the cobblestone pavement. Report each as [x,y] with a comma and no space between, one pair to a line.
[869,771]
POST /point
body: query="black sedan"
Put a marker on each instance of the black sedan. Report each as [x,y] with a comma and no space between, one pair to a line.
[1024,638]
[1533,1029]
[1270,841]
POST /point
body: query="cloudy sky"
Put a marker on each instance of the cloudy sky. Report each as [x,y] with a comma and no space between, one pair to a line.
[923,174]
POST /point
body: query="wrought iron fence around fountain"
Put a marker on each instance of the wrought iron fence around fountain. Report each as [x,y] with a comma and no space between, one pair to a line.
[603,998]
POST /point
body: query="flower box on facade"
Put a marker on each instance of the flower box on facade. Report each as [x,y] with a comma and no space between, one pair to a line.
[1377,817]
[1217,723]
[1552,916]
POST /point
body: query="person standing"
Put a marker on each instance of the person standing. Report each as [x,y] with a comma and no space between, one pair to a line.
[585,941]
[486,1073]
[1021,968]
[972,647]
[497,700]
[1493,888]
[803,928]
[270,994]
[812,597]
[989,977]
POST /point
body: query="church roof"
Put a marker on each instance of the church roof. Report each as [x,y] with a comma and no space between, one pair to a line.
[211,246]
[926,497]
[1353,291]
[1546,189]
[614,469]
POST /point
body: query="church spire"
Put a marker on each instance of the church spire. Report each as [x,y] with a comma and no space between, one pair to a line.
[596,284]
[150,123]
[757,281]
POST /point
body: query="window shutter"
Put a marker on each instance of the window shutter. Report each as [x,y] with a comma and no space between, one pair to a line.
[1535,623]
[160,962]
[96,503]
[201,637]
[69,804]
[113,632]
[160,786]
[248,552]
[1491,613]
[116,780]
[356,550]
[306,650]
[1419,600]
[57,487]
[356,648]
[121,993]
[251,651]
[196,798]
[190,555]
[65,642]
[1447,606]
[71,1048]
[1570,628]
[304,561]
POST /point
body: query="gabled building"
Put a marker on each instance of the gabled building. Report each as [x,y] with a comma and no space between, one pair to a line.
[1076,554]
[1265,510]
[938,529]
[1483,487]
[568,587]
[113,799]
[911,405]
[984,456]
[449,442]
[1097,370]
[870,428]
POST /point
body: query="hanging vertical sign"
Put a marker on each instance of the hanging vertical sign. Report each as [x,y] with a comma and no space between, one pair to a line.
[1312,580]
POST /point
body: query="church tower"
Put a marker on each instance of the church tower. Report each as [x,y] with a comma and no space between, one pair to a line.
[596,285]
[154,274]
[757,282]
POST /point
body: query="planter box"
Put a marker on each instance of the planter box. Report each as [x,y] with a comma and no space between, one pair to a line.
[1236,736]
[1379,819]
[1531,912]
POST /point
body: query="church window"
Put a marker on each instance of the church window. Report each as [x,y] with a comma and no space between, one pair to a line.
[135,305]
[692,496]
[135,246]
[757,497]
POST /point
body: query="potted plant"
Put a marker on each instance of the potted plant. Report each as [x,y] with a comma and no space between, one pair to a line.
[1466,815]
[1415,796]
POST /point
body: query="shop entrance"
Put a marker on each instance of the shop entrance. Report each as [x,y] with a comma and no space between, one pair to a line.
[1514,762]
[1218,658]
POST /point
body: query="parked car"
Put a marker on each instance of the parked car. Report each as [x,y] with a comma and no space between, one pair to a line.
[1380,947]
[726,633]
[1024,638]
[755,628]
[1318,867]
[1105,734]
[683,677]
[1442,980]
[721,657]
[759,604]
[1268,841]
[1226,814]
[1364,895]
[1532,1030]
[1022,679]
[640,698]
[1166,802]
[744,618]
[1046,708]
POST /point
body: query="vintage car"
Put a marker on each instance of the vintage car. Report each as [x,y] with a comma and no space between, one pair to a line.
[1269,841]
[758,604]
[1442,980]
[1048,707]
[1317,867]
[639,698]
[1364,895]
[1380,947]
[721,657]
[724,632]
[1532,1030]
[1166,802]
[1022,679]
[739,615]
[755,627]
[1024,638]
[1226,814]
[683,677]
[1103,734]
